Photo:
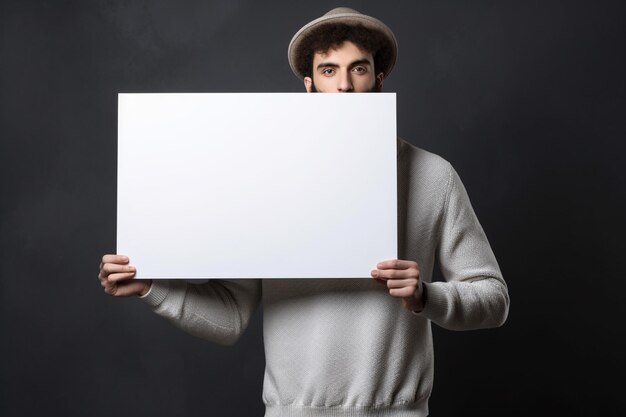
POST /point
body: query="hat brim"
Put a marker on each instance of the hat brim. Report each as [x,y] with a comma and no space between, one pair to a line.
[294,51]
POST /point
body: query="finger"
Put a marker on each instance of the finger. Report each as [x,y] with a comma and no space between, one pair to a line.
[109,268]
[404,292]
[114,259]
[394,273]
[119,277]
[403,283]
[125,289]
[109,288]
[128,288]
[396,264]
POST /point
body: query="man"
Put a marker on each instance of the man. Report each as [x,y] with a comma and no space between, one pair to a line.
[350,347]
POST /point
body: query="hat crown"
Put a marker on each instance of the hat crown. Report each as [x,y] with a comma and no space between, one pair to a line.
[340,10]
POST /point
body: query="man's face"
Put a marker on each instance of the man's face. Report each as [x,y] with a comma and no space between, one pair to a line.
[343,69]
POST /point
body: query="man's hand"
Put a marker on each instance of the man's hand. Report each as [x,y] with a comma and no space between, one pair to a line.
[402,278]
[116,277]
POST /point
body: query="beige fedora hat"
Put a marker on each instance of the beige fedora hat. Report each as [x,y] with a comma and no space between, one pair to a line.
[350,17]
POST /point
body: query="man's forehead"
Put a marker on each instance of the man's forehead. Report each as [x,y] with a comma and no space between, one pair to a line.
[345,47]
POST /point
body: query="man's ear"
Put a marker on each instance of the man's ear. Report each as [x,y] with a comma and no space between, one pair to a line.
[379,81]
[308,82]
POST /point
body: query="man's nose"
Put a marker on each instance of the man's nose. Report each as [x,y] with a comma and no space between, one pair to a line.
[345,83]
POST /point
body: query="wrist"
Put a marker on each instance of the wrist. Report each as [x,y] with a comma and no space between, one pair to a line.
[146,288]
[419,300]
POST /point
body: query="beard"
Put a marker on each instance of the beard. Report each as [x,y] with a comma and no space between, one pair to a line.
[375,89]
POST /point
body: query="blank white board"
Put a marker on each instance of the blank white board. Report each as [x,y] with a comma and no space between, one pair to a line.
[280,185]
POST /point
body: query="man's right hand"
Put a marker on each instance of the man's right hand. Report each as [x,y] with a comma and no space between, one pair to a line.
[117,277]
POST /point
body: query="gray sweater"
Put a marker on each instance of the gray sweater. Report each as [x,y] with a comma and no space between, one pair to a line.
[346,347]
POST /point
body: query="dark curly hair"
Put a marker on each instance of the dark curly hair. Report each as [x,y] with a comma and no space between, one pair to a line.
[334,34]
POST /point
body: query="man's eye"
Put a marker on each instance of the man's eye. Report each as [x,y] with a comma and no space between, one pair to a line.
[359,69]
[328,71]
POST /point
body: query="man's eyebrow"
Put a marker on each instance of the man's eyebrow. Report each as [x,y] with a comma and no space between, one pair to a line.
[327,64]
[353,63]
[360,62]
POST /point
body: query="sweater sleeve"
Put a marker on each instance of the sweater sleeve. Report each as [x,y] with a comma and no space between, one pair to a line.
[474,294]
[218,310]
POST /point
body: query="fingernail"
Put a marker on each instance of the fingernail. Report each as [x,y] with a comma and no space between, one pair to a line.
[374,273]
[125,258]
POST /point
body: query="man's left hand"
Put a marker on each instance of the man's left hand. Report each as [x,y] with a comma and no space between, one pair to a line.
[403,281]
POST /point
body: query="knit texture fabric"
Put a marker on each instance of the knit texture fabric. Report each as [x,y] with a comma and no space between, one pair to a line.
[346,347]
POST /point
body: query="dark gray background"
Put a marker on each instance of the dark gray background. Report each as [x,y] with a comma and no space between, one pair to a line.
[525,98]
